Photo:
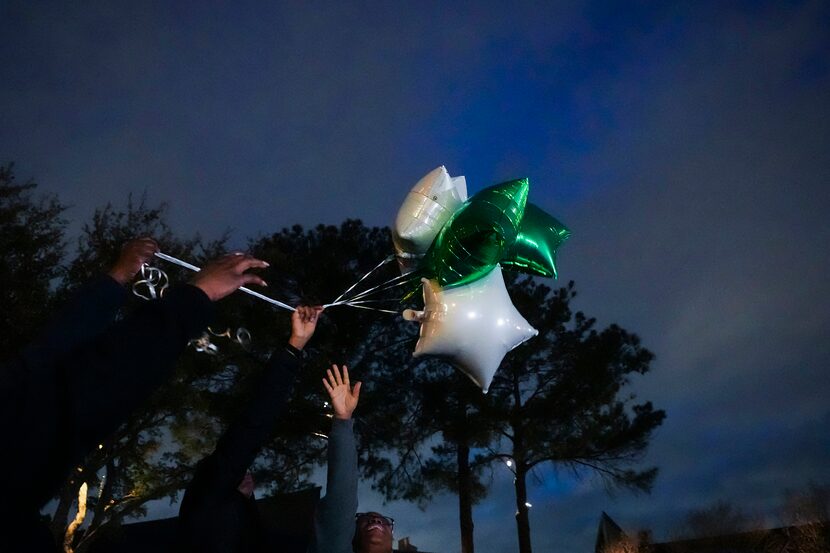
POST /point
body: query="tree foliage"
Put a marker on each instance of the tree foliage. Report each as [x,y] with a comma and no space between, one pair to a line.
[804,515]
[315,266]
[31,251]
[559,399]
[423,427]
[137,463]
[154,454]
[721,518]
[808,505]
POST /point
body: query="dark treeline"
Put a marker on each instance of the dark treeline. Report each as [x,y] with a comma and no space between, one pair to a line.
[423,428]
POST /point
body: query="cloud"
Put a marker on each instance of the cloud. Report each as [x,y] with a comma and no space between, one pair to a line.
[685,145]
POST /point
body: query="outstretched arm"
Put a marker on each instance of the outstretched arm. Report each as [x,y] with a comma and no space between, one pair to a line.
[90,310]
[236,450]
[334,519]
[91,392]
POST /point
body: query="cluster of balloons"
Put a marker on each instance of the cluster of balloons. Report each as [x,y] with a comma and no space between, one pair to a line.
[458,246]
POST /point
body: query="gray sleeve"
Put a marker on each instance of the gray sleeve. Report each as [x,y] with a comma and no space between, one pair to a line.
[334,519]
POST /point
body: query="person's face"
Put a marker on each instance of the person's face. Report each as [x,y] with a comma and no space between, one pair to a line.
[374,532]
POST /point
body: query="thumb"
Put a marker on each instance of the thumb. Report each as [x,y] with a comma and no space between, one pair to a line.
[356,390]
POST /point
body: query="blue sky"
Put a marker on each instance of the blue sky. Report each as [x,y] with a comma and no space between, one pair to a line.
[685,144]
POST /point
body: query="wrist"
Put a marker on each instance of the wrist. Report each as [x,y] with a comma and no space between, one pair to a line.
[206,289]
[119,277]
[343,417]
[297,343]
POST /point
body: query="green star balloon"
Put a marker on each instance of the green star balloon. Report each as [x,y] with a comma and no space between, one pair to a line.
[477,236]
[534,251]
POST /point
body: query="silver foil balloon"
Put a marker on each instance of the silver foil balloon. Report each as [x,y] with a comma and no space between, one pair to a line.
[426,208]
[473,325]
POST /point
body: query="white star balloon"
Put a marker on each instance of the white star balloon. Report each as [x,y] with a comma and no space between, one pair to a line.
[426,208]
[473,325]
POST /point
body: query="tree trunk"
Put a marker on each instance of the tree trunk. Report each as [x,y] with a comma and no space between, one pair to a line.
[465,498]
[67,497]
[522,511]
[99,513]
[520,483]
[69,537]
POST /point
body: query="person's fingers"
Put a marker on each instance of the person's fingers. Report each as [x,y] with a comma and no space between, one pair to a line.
[251,279]
[332,380]
[345,375]
[248,262]
[327,386]
[338,377]
[230,260]
[148,248]
[356,390]
[146,240]
[138,245]
[223,262]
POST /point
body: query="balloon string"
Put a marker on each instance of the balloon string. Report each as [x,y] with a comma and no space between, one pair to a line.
[369,308]
[378,266]
[388,285]
[391,283]
[248,291]
[350,302]
[355,301]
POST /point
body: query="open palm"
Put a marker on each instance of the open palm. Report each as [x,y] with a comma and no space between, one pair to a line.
[343,396]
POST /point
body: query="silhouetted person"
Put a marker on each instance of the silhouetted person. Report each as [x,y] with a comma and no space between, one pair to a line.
[80,379]
[219,511]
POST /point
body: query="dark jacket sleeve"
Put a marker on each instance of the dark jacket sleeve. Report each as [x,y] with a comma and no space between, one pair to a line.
[29,380]
[334,518]
[59,415]
[221,472]
[112,375]
[90,311]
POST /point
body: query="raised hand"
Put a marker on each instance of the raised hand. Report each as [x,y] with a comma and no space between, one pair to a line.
[226,274]
[134,254]
[344,398]
[303,324]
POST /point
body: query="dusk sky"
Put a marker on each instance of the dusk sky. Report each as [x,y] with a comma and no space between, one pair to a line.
[686,145]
